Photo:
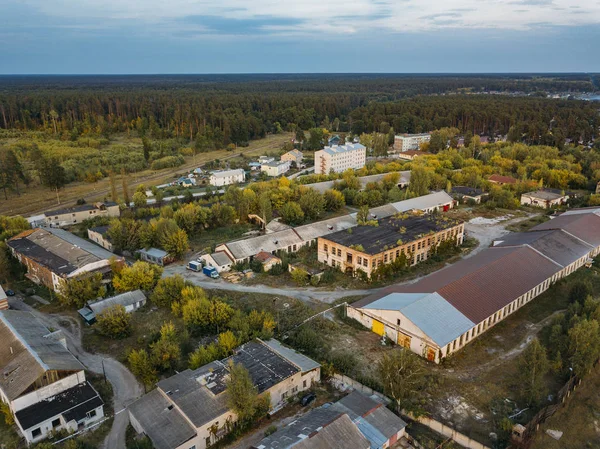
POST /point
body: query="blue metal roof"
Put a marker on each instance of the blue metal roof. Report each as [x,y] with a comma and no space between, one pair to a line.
[430,312]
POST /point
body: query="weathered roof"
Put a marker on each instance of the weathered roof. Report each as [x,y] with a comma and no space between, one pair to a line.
[391,232]
[242,249]
[434,199]
[276,226]
[583,224]
[102,230]
[264,256]
[72,404]
[295,153]
[364,180]
[28,350]
[546,194]
[558,245]
[320,228]
[163,423]
[154,252]
[81,208]
[83,244]
[301,361]
[226,173]
[221,258]
[124,299]
[431,313]
[502,179]
[341,433]
[467,191]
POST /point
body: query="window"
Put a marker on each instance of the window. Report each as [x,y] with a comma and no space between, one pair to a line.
[365,263]
[56,423]
[36,433]
[397,253]
[385,258]
[359,260]
[304,383]
[339,252]
[419,245]
[398,321]
[325,247]
[91,414]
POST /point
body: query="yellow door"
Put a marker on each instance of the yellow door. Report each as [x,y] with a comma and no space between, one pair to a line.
[404,340]
[378,327]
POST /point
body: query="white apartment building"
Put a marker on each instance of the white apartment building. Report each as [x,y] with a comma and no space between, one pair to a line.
[227,177]
[276,168]
[408,142]
[340,158]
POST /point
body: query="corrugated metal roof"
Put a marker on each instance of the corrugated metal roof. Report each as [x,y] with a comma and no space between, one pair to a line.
[340,434]
[364,180]
[154,252]
[242,249]
[225,173]
[124,299]
[583,225]
[28,350]
[431,313]
[166,427]
[85,245]
[301,361]
[320,228]
[434,199]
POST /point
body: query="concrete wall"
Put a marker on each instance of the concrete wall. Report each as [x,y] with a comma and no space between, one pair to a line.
[70,218]
[48,391]
[98,238]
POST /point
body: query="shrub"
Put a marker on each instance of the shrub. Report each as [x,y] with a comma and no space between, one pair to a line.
[114,322]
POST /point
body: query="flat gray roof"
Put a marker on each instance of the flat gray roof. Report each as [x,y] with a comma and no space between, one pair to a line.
[124,299]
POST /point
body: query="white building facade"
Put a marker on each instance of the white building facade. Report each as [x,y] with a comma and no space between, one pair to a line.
[340,158]
[407,142]
[276,168]
[227,177]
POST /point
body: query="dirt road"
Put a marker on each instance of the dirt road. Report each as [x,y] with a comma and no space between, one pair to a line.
[126,388]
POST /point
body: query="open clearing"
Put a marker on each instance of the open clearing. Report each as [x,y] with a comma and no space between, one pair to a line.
[37,199]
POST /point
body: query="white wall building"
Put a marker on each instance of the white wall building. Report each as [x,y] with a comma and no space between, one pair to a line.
[340,158]
[227,177]
[70,216]
[276,168]
[406,142]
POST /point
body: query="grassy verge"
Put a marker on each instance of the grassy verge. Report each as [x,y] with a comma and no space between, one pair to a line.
[528,223]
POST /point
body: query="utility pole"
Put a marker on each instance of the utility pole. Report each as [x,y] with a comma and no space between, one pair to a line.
[104,371]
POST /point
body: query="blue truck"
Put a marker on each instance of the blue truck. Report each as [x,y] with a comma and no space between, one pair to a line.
[211,272]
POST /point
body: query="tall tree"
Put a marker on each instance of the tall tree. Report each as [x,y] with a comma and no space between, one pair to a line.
[53,175]
[241,393]
[113,186]
[533,366]
[125,187]
[402,377]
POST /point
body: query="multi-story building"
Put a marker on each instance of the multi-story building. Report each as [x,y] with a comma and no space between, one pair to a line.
[73,215]
[365,248]
[99,235]
[340,158]
[53,256]
[407,142]
[276,168]
[444,311]
[294,156]
[227,177]
[189,410]
[42,383]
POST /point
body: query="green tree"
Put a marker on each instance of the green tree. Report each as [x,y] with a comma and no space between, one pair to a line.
[114,322]
[334,200]
[363,216]
[52,175]
[403,379]
[176,244]
[265,209]
[584,346]
[242,395]
[168,290]
[139,199]
[166,351]
[312,204]
[141,367]
[533,366]
[579,292]
[291,213]
[139,276]
[125,187]
[299,276]
[81,289]
[420,180]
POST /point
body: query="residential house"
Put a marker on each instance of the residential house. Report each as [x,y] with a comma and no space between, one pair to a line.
[73,215]
[340,158]
[131,301]
[220,260]
[364,248]
[52,256]
[410,155]
[42,383]
[99,235]
[276,168]
[502,180]
[294,156]
[292,239]
[355,421]
[155,256]
[468,194]
[442,312]
[267,260]
[3,299]
[406,142]
[227,177]
[266,159]
[545,198]
[189,410]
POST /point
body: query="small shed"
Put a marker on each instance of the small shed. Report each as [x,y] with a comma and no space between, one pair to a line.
[87,314]
[312,272]
[130,300]
[155,256]
[219,260]
[267,260]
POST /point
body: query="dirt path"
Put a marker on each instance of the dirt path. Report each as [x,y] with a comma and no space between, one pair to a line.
[126,388]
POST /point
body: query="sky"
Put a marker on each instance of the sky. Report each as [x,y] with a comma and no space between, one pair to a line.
[298,36]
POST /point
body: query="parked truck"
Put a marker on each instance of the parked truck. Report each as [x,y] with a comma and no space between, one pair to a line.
[194,265]
[211,272]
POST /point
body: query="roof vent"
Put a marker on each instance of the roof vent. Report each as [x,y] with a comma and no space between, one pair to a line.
[330,227]
[170,407]
[276,242]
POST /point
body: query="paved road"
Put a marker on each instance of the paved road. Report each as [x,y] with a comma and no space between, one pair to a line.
[126,388]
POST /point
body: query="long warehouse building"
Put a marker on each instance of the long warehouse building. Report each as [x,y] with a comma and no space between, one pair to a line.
[441,313]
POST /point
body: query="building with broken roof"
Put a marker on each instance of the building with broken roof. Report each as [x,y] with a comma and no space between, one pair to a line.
[545,198]
[364,248]
[73,215]
[190,409]
[43,384]
[440,313]
[99,235]
[53,256]
[292,239]
[355,421]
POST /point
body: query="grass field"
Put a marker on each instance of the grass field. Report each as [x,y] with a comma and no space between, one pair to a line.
[37,199]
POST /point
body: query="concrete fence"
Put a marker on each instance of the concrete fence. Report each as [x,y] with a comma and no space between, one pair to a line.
[343,383]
